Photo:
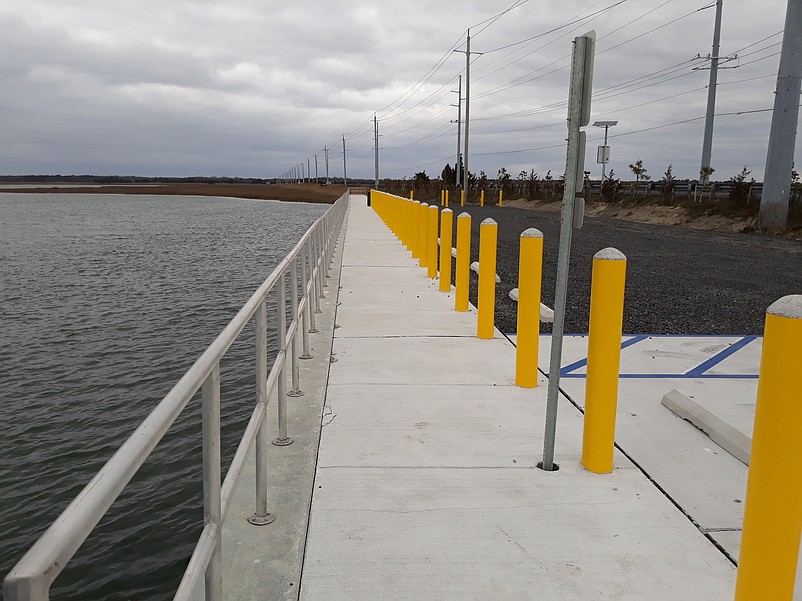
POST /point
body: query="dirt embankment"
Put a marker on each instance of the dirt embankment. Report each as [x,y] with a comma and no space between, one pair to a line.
[286,192]
[647,214]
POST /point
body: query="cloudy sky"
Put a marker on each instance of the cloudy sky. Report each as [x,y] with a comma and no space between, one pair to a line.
[251,88]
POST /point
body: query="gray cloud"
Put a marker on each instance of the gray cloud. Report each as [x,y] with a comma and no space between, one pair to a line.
[251,88]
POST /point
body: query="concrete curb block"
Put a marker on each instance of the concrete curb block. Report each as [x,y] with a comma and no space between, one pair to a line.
[732,440]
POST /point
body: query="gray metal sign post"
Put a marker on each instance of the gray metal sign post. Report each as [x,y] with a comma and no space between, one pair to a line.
[578,116]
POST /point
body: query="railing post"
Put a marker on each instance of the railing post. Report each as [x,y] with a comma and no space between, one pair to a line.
[314,265]
[296,369]
[308,317]
[604,356]
[463,263]
[773,506]
[261,516]
[319,258]
[283,438]
[212,505]
[486,301]
[530,266]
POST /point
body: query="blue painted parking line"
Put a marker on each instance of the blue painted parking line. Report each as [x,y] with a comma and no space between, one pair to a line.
[687,376]
[565,371]
[719,357]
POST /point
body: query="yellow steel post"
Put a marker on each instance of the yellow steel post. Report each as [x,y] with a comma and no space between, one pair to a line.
[442,197]
[482,199]
[431,247]
[604,354]
[408,222]
[500,196]
[486,305]
[773,509]
[412,194]
[446,198]
[463,263]
[446,225]
[530,267]
[423,232]
[462,198]
[414,228]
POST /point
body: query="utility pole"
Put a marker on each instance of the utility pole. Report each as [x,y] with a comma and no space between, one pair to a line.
[465,179]
[345,167]
[303,178]
[459,123]
[376,151]
[326,154]
[784,120]
[317,181]
[707,144]
[308,171]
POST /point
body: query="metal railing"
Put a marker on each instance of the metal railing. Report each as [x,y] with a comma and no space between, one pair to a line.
[32,576]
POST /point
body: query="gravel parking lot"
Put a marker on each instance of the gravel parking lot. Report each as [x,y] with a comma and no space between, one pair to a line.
[679,280]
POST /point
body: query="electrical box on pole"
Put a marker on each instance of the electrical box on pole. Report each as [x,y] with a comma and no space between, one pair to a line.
[602,155]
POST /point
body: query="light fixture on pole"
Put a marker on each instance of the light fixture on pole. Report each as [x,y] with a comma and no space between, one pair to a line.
[603,152]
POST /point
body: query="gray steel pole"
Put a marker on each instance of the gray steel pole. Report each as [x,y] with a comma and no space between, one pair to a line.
[316,177]
[212,504]
[459,123]
[707,144]
[784,120]
[326,154]
[296,369]
[261,516]
[465,178]
[376,151]
[345,166]
[283,438]
[564,255]
[604,150]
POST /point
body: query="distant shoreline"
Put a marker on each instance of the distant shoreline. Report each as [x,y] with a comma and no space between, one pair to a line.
[283,192]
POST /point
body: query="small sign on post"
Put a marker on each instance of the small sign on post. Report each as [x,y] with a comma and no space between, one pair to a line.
[602,155]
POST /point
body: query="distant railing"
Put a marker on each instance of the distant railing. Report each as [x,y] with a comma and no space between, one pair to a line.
[31,578]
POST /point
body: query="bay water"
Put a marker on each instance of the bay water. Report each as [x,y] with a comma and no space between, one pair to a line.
[105,301]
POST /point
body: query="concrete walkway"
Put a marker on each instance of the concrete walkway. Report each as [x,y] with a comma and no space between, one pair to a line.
[426,485]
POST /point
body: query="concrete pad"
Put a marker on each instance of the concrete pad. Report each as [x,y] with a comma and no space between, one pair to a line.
[503,534]
[379,323]
[441,426]
[264,562]
[706,481]
[452,360]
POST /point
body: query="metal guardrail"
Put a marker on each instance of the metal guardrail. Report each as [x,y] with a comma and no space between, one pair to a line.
[32,576]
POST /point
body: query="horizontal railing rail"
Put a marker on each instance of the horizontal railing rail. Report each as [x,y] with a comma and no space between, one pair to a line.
[32,576]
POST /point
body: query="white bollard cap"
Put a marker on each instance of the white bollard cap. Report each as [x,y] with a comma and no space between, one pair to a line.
[489,221]
[788,306]
[532,233]
[464,214]
[424,204]
[417,202]
[447,211]
[610,254]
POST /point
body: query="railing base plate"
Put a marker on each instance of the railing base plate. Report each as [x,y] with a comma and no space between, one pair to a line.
[258,520]
[282,442]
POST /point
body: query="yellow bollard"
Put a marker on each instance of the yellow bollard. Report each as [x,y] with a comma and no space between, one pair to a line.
[462,198]
[414,228]
[500,194]
[773,509]
[431,246]
[486,302]
[446,198]
[482,199]
[463,263]
[446,225]
[530,266]
[604,354]
[423,230]
[412,194]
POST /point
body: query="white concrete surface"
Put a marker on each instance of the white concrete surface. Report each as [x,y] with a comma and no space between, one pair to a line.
[426,485]
[703,478]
